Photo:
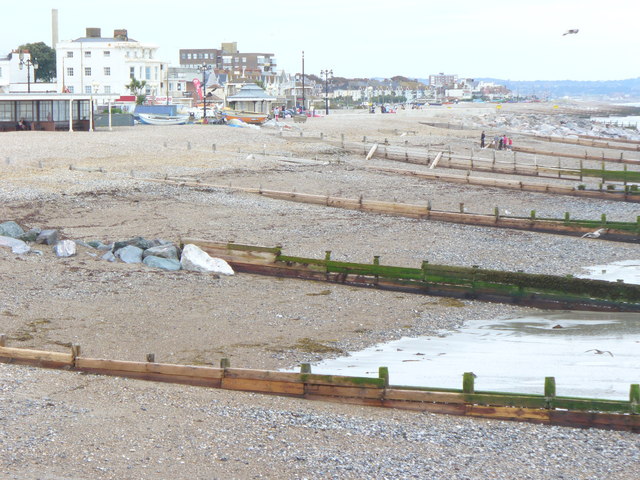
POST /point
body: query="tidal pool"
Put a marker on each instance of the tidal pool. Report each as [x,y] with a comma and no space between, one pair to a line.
[590,354]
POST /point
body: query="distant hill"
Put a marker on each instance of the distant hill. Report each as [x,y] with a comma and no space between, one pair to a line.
[619,89]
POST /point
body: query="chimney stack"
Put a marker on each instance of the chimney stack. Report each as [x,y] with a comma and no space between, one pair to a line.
[121,34]
[93,33]
[54,27]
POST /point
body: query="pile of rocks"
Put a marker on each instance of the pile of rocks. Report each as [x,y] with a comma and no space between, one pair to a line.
[153,253]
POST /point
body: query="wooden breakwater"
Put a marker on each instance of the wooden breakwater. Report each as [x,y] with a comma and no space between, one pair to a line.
[547,408]
[543,291]
[615,231]
[628,194]
[589,142]
[505,165]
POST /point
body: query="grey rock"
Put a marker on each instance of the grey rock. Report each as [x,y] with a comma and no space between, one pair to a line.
[65,248]
[16,245]
[97,244]
[31,235]
[49,237]
[139,242]
[163,263]
[11,229]
[109,256]
[129,254]
[164,251]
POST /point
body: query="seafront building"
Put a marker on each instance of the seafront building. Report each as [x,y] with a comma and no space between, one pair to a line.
[105,65]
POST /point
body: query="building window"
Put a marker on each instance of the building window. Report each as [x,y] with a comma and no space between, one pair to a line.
[157,73]
[107,71]
[6,111]
[87,89]
[226,59]
[183,56]
[87,54]
[69,54]
[179,87]
[147,73]
[71,89]
[189,56]
[87,71]
[132,72]
[107,53]
[70,72]
[107,89]
[244,59]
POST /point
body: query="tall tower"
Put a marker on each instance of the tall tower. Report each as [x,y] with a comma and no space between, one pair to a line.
[54,27]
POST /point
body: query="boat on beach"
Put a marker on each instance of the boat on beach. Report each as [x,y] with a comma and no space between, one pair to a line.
[152,119]
[255,118]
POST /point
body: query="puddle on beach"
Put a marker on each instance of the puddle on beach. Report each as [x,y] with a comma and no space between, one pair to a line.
[590,354]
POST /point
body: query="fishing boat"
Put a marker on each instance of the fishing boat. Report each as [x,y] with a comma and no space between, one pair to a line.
[151,119]
[255,118]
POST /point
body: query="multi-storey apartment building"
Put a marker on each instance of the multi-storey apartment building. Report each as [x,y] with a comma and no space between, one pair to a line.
[237,66]
[97,64]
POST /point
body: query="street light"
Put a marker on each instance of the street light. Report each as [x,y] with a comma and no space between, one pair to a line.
[204,68]
[29,64]
[95,86]
[327,74]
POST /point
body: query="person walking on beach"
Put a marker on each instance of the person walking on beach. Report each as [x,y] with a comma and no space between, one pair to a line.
[482,137]
[500,143]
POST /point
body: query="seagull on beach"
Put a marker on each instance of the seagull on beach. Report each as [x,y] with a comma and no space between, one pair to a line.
[569,32]
[595,234]
[599,352]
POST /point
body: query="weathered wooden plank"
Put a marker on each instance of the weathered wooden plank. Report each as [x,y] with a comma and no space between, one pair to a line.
[263,386]
[338,391]
[97,364]
[508,413]
[23,354]
[267,375]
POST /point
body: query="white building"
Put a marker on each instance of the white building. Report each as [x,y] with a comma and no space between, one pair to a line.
[11,75]
[106,65]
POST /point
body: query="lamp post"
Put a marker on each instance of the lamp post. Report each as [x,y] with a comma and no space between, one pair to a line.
[303,99]
[327,74]
[94,90]
[29,64]
[204,68]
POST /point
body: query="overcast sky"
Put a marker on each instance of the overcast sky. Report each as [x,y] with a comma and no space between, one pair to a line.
[508,39]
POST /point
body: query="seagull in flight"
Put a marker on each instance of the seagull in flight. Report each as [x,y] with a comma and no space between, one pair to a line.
[595,234]
[599,352]
[569,32]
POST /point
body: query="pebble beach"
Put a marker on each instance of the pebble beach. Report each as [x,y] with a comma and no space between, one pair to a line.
[95,186]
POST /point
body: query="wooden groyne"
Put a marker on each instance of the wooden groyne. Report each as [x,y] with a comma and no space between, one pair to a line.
[615,231]
[547,408]
[626,195]
[543,291]
[589,142]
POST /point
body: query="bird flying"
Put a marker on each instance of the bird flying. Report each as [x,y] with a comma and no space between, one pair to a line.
[599,352]
[569,32]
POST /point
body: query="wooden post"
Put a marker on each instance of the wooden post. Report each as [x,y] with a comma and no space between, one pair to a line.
[75,351]
[342,139]
[327,255]
[376,259]
[634,398]
[533,215]
[225,363]
[321,135]
[188,145]
[581,166]
[603,218]
[383,372]
[496,213]
[305,368]
[151,357]
[468,382]
[461,207]
[213,147]
[364,139]
[566,217]
[549,390]
[3,340]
